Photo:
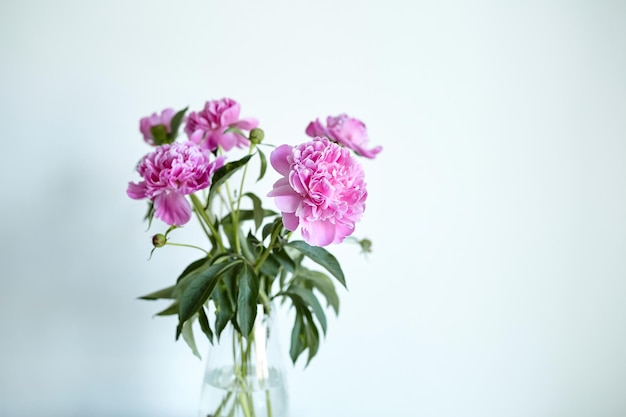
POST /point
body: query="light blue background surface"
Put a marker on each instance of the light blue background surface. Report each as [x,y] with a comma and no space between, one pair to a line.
[497,284]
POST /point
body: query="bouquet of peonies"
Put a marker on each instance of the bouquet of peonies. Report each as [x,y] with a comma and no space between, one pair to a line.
[251,258]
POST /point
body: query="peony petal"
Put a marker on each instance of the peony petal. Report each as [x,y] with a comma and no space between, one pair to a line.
[197,136]
[285,198]
[137,191]
[230,115]
[342,231]
[172,207]
[290,221]
[368,153]
[315,129]
[288,203]
[227,141]
[248,123]
[218,163]
[144,128]
[281,187]
[166,118]
[320,233]
[279,159]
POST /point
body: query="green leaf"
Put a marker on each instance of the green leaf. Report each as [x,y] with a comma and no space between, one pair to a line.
[304,334]
[176,122]
[159,135]
[321,282]
[229,231]
[223,299]
[214,246]
[257,209]
[169,311]
[312,336]
[247,299]
[282,278]
[320,256]
[245,215]
[204,324]
[192,267]
[249,246]
[188,275]
[187,333]
[310,300]
[284,259]
[271,267]
[200,288]
[165,293]
[267,230]
[225,172]
[298,337]
[150,214]
[263,165]
[270,228]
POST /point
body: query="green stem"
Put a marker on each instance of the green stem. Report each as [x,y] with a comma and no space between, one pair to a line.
[244,358]
[197,204]
[204,228]
[218,412]
[266,251]
[243,177]
[186,246]
[235,210]
[244,405]
[240,395]
[268,403]
[245,396]
[265,300]
[233,409]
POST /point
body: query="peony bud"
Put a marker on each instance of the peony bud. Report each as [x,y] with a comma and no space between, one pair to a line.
[257,135]
[159,240]
[366,245]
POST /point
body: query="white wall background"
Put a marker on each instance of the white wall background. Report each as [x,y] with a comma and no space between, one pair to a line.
[497,285]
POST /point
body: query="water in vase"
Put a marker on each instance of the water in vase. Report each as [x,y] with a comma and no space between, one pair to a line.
[225,394]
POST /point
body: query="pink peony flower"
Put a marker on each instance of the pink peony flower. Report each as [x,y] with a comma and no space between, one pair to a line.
[171,172]
[345,130]
[322,190]
[146,123]
[207,126]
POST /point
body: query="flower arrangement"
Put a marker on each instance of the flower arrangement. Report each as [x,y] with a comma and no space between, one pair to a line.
[252,257]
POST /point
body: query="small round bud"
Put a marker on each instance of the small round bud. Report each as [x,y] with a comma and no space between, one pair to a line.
[256,135]
[366,245]
[159,240]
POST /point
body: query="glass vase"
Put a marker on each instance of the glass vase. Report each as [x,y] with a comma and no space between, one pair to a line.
[246,377]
